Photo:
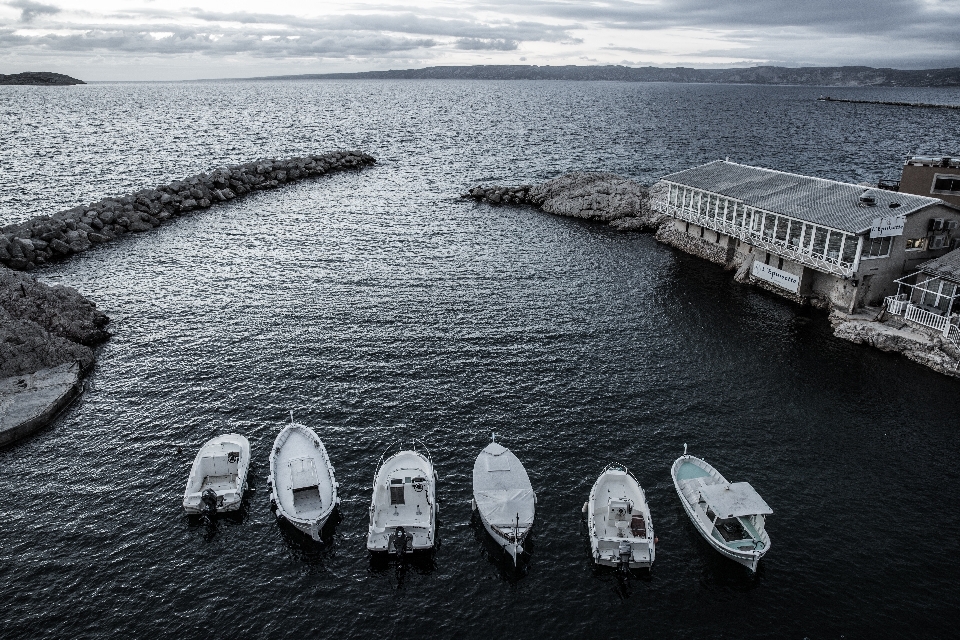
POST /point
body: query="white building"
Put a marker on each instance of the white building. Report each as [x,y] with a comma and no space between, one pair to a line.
[831,243]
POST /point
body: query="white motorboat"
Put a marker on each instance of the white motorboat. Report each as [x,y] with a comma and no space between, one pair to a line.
[303,487]
[218,476]
[730,516]
[403,510]
[503,495]
[618,521]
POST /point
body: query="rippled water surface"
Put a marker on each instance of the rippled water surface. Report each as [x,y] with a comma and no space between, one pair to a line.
[378,305]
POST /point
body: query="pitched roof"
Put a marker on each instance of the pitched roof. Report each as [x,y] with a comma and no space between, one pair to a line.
[946,266]
[817,200]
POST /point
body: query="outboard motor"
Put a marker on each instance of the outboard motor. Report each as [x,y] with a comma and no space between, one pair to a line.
[209,500]
[626,550]
[400,540]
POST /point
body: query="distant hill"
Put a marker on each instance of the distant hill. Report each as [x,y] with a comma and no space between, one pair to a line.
[814,76]
[39,77]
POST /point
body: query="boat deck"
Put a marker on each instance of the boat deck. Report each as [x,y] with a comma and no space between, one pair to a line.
[219,483]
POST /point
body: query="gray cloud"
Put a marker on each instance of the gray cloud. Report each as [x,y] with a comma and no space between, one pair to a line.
[192,42]
[479,44]
[30,10]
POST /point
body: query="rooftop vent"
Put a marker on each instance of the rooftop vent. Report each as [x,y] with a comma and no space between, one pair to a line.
[894,205]
[867,199]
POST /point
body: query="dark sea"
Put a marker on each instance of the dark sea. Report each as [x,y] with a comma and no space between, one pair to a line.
[379,305]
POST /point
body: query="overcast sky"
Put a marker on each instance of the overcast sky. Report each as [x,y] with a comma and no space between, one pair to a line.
[185,39]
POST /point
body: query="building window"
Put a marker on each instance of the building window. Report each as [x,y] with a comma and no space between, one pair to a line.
[946,184]
[916,244]
[876,248]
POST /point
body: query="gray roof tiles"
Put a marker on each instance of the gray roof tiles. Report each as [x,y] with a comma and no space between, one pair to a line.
[817,200]
[946,266]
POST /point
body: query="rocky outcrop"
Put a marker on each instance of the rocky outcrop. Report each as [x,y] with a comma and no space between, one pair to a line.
[46,339]
[603,197]
[923,346]
[43,326]
[47,238]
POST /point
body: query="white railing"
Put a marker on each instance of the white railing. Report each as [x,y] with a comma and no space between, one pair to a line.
[896,304]
[926,318]
[953,334]
[773,245]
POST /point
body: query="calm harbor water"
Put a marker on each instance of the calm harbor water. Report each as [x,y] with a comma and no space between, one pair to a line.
[378,305]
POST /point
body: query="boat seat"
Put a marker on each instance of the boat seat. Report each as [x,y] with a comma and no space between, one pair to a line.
[618,511]
[638,527]
[303,474]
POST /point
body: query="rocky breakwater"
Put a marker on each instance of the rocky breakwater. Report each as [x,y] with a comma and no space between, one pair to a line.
[44,239]
[47,335]
[603,197]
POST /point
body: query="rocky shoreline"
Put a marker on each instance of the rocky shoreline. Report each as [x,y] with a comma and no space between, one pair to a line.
[603,197]
[624,205]
[48,333]
[43,239]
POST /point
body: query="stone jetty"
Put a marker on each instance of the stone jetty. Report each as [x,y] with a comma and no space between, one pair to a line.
[603,197]
[44,239]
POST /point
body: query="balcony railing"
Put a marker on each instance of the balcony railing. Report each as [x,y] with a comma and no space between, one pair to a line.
[924,317]
[896,304]
[826,264]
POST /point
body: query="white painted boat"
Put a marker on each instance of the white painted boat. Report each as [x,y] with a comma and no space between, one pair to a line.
[619,522]
[730,516]
[303,487]
[504,497]
[403,509]
[218,476]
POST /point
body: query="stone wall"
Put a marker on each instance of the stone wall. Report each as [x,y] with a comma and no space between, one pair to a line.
[700,247]
[46,238]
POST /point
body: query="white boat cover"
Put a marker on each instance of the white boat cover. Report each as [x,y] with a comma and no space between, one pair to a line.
[734,500]
[502,488]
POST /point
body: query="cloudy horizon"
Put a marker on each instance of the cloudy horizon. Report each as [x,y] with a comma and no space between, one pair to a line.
[180,40]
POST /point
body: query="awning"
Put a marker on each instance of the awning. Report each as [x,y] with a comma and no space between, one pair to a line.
[734,500]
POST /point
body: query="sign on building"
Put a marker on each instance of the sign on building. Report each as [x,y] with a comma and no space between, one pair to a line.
[886,227]
[782,279]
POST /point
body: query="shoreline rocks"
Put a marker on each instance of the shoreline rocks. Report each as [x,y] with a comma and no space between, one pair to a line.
[923,346]
[42,239]
[603,197]
[47,335]
[43,326]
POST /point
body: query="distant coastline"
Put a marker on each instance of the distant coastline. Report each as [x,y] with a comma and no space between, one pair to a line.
[41,78]
[807,76]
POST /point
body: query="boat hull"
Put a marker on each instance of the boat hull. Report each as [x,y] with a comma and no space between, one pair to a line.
[404,498]
[229,484]
[504,497]
[749,559]
[610,545]
[303,487]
